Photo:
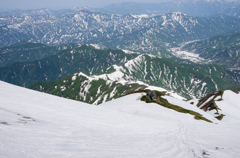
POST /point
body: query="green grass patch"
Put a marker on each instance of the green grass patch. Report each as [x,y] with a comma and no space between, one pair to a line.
[220,117]
[164,102]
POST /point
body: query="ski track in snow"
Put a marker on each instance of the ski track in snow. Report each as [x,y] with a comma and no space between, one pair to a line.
[35,124]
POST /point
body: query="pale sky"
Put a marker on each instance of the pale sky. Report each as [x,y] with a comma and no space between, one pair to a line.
[6,5]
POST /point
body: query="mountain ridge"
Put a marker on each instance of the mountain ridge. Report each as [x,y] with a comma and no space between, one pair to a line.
[189,80]
[90,27]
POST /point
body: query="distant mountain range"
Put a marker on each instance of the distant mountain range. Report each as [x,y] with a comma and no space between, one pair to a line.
[152,34]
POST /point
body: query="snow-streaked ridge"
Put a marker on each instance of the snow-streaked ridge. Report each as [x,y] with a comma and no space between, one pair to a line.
[116,76]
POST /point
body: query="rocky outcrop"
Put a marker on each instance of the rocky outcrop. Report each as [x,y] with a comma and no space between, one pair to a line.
[208,103]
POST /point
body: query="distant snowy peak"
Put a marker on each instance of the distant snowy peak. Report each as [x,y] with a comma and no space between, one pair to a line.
[96,46]
[129,52]
[141,16]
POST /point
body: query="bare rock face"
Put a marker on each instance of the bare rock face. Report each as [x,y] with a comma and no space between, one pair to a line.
[208,103]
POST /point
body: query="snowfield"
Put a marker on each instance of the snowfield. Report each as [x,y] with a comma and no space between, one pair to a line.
[39,125]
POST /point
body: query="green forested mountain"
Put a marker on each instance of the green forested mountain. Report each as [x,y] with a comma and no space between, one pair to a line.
[25,52]
[86,59]
[189,80]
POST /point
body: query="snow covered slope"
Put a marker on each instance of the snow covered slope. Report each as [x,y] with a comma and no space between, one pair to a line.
[34,124]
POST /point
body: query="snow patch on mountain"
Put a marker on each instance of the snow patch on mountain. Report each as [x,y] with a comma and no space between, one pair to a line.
[96,46]
[129,52]
[114,76]
[141,16]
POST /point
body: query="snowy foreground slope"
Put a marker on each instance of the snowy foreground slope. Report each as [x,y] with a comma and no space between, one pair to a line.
[34,124]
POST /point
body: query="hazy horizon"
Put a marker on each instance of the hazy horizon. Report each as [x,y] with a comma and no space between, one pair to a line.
[62,4]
